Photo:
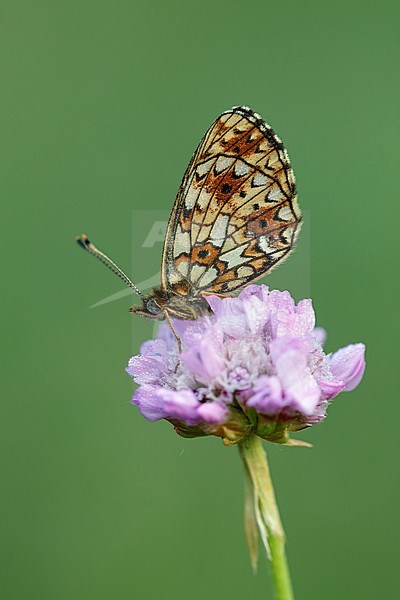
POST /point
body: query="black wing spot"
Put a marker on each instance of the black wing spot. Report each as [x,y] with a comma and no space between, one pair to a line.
[283,238]
[226,188]
[243,194]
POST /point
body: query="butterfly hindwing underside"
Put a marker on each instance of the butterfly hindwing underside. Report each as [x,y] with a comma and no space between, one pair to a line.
[236,214]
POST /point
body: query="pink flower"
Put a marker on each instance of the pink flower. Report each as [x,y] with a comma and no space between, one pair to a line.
[256,366]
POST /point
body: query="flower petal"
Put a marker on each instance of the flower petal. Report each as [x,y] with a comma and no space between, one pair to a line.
[348,364]
[299,386]
[266,396]
[148,402]
[157,403]
[257,313]
[255,291]
[213,413]
[229,315]
[151,366]
[206,356]
[165,333]
[330,388]
[182,405]
[320,335]
[290,320]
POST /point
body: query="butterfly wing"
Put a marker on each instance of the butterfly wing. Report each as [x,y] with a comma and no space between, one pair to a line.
[236,213]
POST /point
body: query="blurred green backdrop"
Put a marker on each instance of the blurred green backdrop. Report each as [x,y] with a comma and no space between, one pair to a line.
[102,106]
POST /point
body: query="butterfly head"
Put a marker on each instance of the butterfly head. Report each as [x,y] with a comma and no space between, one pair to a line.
[150,309]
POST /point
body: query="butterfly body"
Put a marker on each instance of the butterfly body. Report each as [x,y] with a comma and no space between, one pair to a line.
[160,302]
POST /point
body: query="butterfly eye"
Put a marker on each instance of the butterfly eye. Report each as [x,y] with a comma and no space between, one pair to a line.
[152,306]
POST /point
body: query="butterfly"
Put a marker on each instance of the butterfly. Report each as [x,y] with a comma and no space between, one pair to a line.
[235,218]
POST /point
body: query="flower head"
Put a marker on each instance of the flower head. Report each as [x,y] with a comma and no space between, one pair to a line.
[256,366]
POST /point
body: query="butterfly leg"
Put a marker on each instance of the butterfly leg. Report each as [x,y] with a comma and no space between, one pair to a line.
[178,339]
[205,294]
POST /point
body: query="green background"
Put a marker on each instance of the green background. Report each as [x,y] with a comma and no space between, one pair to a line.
[102,104]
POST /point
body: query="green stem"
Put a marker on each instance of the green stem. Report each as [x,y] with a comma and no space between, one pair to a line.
[266,514]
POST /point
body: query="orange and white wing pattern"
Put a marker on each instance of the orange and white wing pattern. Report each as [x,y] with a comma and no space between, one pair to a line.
[236,214]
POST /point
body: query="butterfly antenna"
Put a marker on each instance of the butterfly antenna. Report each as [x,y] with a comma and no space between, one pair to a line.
[86,244]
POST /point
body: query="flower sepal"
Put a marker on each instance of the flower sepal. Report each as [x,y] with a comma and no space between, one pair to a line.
[187,431]
[282,437]
[274,428]
[235,429]
[298,443]
[241,423]
[277,436]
